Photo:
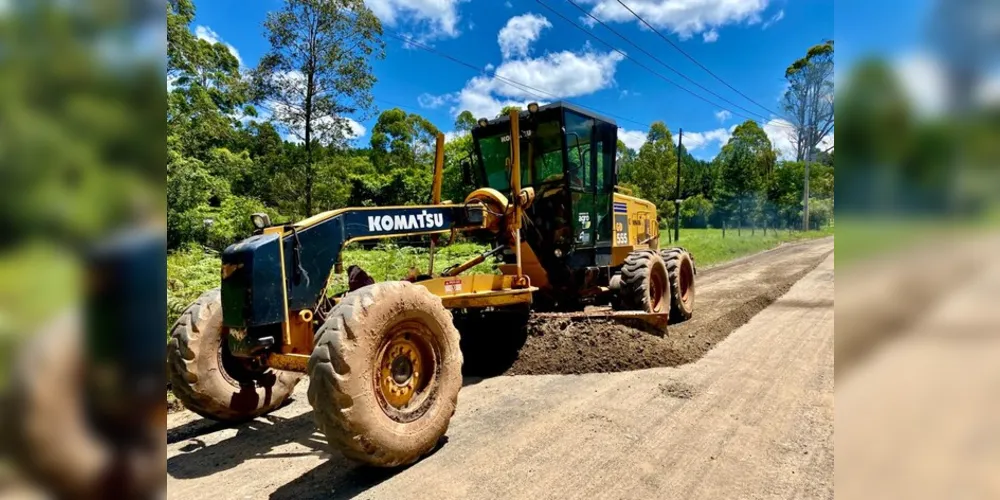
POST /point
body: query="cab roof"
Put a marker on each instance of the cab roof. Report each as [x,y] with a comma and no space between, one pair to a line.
[551,107]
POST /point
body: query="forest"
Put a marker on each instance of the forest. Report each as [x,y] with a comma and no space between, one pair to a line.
[275,138]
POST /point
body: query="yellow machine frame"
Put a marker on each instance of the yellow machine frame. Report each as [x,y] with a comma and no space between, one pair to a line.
[456,291]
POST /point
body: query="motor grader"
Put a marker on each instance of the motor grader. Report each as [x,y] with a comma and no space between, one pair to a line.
[383,359]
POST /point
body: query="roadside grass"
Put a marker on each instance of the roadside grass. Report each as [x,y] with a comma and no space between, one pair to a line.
[709,247]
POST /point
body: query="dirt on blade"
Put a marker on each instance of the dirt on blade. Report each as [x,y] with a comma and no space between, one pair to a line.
[727,297]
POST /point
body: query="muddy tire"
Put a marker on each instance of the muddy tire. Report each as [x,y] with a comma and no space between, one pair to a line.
[210,381]
[644,283]
[385,374]
[681,271]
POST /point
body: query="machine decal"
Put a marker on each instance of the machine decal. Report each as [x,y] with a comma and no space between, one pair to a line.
[453,286]
[423,220]
[621,229]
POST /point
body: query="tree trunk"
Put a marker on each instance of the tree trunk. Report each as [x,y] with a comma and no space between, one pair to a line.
[310,76]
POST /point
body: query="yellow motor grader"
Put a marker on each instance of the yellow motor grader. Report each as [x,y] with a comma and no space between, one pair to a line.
[383,359]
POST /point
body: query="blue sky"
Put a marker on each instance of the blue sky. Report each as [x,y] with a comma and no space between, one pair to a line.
[748,43]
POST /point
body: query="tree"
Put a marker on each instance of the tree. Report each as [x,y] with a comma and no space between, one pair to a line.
[504,111]
[318,71]
[402,140]
[737,184]
[652,173]
[465,122]
[808,102]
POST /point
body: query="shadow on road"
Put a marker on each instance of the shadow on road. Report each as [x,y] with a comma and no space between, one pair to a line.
[253,439]
[337,477]
[340,478]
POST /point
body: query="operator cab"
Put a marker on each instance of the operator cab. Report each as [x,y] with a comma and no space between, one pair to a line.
[568,157]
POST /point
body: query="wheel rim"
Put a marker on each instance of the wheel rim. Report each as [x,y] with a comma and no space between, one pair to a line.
[404,370]
[657,285]
[686,280]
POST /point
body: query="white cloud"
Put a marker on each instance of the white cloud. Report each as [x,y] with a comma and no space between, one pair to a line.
[508,4]
[723,115]
[683,17]
[489,67]
[431,101]
[557,75]
[775,18]
[710,36]
[697,140]
[438,18]
[693,141]
[634,139]
[210,36]
[553,76]
[516,37]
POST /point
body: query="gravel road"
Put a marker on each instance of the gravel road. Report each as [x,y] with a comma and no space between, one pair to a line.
[748,413]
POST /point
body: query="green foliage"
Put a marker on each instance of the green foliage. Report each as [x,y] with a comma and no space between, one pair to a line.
[318,71]
[190,272]
[402,141]
[652,172]
[696,211]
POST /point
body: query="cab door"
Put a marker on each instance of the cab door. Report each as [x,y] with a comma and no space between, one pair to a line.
[581,172]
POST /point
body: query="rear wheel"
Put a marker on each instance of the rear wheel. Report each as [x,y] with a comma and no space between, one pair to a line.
[644,283]
[681,271]
[212,382]
[385,373]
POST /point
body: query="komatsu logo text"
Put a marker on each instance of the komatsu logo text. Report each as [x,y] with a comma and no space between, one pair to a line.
[423,220]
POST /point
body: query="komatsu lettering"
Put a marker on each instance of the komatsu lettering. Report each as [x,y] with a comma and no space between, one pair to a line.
[423,220]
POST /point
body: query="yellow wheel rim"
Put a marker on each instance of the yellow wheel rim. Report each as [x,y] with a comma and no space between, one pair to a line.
[404,367]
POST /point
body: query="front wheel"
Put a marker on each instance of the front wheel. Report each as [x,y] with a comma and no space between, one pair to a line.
[644,283]
[681,271]
[212,382]
[385,373]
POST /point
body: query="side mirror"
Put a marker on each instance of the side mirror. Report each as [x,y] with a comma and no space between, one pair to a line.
[466,172]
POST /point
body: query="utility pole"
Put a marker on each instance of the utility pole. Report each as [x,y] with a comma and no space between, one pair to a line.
[677,199]
[805,188]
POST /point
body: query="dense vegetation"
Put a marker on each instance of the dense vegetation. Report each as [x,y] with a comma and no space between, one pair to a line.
[274,139]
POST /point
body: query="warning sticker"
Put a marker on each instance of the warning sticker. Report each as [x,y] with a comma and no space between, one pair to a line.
[452,286]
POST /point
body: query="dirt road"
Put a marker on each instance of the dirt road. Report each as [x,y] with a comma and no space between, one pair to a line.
[752,419]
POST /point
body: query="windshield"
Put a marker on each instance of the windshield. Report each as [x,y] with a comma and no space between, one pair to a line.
[541,154]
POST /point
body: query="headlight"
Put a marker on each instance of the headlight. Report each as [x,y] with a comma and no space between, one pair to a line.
[260,221]
[559,253]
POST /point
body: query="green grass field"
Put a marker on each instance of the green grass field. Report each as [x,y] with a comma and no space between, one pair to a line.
[710,248]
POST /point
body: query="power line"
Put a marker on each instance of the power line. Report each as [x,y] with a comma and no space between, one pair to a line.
[533,91]
[640,64]
[750,114]
[644,51]
[700,65]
